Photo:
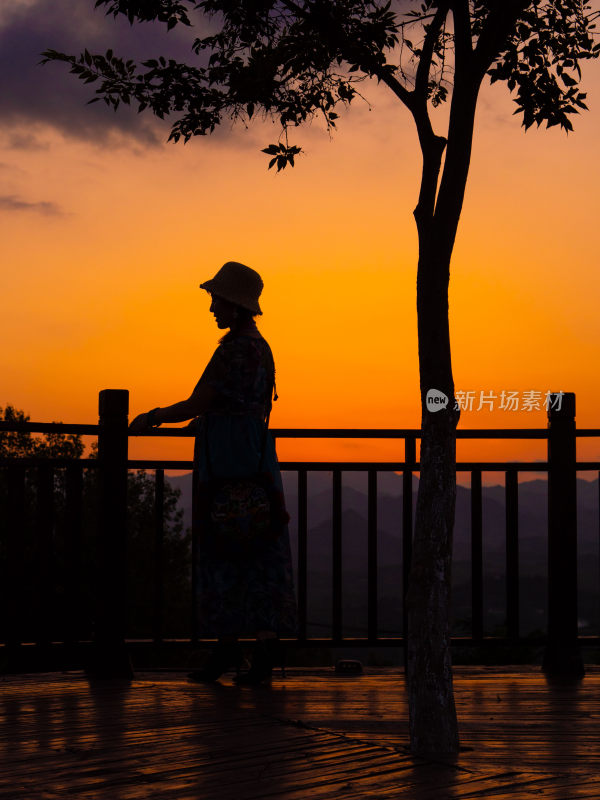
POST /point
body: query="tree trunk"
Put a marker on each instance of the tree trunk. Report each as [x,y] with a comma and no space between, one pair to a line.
[433,722]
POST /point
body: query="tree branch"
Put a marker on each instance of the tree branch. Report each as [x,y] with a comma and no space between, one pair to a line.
[497,27]
[401,92]
[462,34]
[432,148]
[422,77]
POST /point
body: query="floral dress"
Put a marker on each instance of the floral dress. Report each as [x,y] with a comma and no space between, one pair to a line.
[242,597]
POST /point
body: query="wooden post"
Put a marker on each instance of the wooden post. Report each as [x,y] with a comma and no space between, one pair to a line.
[110,657]
[562,658]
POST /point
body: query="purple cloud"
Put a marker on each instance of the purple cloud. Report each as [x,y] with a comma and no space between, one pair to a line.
[32,95]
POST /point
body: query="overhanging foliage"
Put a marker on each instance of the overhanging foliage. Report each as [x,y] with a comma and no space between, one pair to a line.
[293,61]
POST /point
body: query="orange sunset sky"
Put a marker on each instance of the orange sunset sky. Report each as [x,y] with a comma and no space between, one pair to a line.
[107,231]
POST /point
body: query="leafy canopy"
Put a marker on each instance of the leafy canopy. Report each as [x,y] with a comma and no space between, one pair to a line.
[293,60]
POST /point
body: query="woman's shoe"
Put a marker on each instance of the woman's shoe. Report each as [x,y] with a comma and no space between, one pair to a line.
[222,658]
[267,654]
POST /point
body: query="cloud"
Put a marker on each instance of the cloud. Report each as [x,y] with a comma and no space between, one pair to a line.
[22,139]
[32,95]
[11,202]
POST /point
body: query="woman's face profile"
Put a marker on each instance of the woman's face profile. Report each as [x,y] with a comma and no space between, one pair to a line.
[224,311]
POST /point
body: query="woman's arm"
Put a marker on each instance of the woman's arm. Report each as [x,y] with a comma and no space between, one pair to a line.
[197,403]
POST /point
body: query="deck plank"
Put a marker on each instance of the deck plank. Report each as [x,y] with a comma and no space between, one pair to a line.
[311,736]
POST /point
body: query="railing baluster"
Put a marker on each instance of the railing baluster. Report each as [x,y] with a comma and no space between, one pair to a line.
[512,554]
[159,535]
[44,555]
[302,551]
[410,458]
[372,592]
[73,530]
[337,555]
[13,572]
[476,557]
[195,617]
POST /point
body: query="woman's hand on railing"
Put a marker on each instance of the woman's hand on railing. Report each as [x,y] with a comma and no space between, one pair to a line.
[141,424]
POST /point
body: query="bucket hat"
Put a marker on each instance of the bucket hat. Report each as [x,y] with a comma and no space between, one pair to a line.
[237,283]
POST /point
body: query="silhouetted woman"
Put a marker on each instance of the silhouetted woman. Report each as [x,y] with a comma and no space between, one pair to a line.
[253,596]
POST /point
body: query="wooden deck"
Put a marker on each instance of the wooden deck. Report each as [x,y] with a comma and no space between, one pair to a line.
[314,736]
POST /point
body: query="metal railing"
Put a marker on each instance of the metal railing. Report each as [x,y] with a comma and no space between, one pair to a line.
[112,466]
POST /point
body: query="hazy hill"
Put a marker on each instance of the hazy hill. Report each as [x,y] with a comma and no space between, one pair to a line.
[532,549]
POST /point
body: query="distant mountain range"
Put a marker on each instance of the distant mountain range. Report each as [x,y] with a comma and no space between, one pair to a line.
[532,551]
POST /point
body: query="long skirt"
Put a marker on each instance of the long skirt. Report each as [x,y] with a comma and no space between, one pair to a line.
[242,597]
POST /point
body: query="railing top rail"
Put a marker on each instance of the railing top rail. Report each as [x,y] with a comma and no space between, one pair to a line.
[414,466]
[303,433]
[380,433]
[50,427]
[403,433]
[389,433]
[145,463]
[378,466]
[312,466]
